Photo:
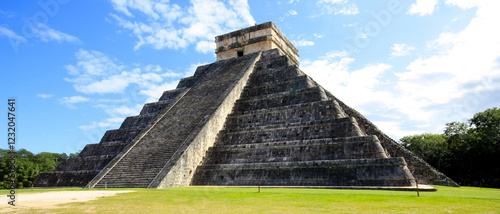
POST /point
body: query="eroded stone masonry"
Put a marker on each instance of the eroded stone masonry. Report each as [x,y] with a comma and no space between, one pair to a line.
[253,117]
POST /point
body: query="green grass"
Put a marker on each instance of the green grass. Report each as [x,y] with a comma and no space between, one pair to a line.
[247,200]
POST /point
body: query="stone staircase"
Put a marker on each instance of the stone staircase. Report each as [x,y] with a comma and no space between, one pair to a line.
[252,116]
[286,131]
[139,164]
[94,157]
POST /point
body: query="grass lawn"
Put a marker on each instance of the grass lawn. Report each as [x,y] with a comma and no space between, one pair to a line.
[247,200]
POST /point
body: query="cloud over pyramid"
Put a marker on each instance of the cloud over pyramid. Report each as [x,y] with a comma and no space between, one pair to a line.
[250,117]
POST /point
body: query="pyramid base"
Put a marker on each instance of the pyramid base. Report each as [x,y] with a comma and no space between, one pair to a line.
[422,188]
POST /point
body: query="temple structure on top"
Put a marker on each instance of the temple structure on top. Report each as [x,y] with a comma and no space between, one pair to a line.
[252,117]
[254,39]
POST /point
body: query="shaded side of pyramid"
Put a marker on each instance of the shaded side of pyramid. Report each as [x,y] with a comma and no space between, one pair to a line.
[93,158]
[251,117]
[286,130]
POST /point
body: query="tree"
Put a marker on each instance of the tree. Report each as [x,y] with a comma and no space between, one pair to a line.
[430,147]
[456,128]
[468,153]
[485,134]
[28,165]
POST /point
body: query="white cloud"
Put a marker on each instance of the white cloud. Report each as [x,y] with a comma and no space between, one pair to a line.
[69,101]
[170,26]
[319,36]
[45,96]
[5,32]
[113,84]
[123,110]
[172,74]
[147,89]
[47,34]
[117,111]
[395,129]
[41,31]
[367,90]
[155,68]
[93,63]
[303,43]
[205,46]
[423,7]
[470,57]
[74,99]
[155,92]
[97,73]
[122,89]
[450,82]
[338,7]
[95,125]
[401,50]
[291,13]
[356,88]
[465,4]
[192,68]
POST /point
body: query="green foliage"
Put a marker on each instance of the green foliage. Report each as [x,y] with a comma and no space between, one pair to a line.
[430,147]
[456,128]
[27,165]
[467,153]
[278,200]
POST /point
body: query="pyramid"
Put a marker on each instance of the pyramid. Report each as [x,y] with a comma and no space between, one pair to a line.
[250,118]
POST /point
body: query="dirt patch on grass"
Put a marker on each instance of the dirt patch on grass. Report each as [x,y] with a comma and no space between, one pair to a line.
[49,200]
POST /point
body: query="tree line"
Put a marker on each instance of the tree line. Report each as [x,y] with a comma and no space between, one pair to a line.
[468,153]
[27,165]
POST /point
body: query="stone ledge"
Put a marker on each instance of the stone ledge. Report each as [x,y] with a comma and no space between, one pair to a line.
[307,164]
[424,188]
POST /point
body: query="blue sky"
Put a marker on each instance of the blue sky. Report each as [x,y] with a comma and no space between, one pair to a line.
[78,68]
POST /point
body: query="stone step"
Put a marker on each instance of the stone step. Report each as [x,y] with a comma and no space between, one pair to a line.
[150,167]
[141,171]
[124,135]
[271,76]
[280,99]
[278,95]
[65,178]
[307,150]
[110,148]
[271,71]
[84,163]
[270,54]
[273,62]
[291,85]
[331,128]
[123,185]
[156,107]
[288,114]
[129,178]
[187,82]
[328,122]
[350,172]
[139,121]
[171,94]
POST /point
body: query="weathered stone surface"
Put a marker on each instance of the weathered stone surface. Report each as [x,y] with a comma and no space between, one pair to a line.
[246,120]
[170,149]
[253,39]
[284,130]
[94,157]
[350,172]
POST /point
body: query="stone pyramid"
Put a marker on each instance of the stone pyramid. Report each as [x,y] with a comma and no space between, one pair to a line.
[252,117]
